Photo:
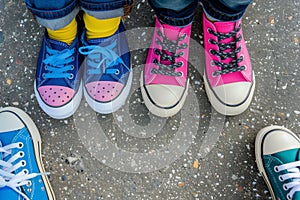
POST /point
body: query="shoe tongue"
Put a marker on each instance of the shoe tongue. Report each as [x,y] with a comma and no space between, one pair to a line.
[171,32]
[224,27]
[100,41]
[57,45]
[288,156]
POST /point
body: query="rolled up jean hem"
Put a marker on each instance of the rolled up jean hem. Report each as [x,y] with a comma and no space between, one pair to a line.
[221,16]
[105,14]
[176,21]
[55,24]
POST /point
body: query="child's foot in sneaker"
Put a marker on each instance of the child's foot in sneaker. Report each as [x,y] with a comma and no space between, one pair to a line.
[107,74]
[277,152]
[58,78]
[164,81]
[228,78]
[22,175]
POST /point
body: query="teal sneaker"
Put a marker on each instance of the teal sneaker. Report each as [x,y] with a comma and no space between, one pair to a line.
[278,160]
[22,175]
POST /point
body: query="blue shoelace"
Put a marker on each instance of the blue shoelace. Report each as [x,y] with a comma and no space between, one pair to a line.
[58,63]
[102,56]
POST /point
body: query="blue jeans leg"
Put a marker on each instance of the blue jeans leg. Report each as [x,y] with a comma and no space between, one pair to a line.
[104,9]
[53,14]
[174,12]
[56,14]
[225,10]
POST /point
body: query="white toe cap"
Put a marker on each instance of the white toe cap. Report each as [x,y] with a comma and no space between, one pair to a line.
[279,140]
[165,95]
[9,122]
[233,93]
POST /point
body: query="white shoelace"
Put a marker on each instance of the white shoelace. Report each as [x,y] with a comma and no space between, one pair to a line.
[7,177]
[294,174]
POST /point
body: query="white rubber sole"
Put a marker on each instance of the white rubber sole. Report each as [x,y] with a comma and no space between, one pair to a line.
[60,112]
[258,153]
[158,111]
[112,106]
[36,140]
[225,109]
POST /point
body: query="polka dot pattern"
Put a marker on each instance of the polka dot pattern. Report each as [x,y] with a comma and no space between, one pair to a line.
[56,95]
[104,91]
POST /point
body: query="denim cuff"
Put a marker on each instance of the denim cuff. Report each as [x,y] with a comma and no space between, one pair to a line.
[53,14]
[175,21]
[219,15]
[105,14]
[105,10]
[55,24]
[176,18]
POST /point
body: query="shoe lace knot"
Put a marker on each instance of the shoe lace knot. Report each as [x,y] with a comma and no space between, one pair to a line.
[102,59]
[7,176]
[291,177]
[223,52]
[58,63]
[167,54]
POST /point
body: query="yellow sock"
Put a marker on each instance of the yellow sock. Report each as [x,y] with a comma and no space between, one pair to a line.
[66,34]
[99,28]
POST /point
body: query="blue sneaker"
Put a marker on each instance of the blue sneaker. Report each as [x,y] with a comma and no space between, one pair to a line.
[22,175]
[58,86]
[107,75]
[277,152]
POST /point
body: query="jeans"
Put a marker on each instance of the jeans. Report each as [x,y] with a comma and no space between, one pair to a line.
[181,12]
[56,14]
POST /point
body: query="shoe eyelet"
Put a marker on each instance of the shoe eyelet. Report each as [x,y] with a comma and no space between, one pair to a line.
[212,63]
[46,68]
[71,76]
[214,74]
[29,190]
[285,187]
[276,169]
[72,67]
[25,171]
[21,153]
[242,56]
[29,184]
[280,178]
[21,145]
[117,72]
[208,30]
[73,58]
[181,74]
[23,163]
[288,196]
[210,51]
[181,64]
[43,75]
[244,67]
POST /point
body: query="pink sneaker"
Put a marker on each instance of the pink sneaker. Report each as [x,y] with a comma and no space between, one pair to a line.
[228,78]
[164,82]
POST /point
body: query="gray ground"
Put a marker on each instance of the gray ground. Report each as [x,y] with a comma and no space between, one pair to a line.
[82,168]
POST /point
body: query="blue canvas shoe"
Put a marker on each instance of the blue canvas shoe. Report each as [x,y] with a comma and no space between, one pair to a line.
[22,175]
[107,74]
[57,86]
[278,160]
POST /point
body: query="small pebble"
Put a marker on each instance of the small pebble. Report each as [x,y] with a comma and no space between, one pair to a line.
[196,164]
[8,81]
[180,184]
